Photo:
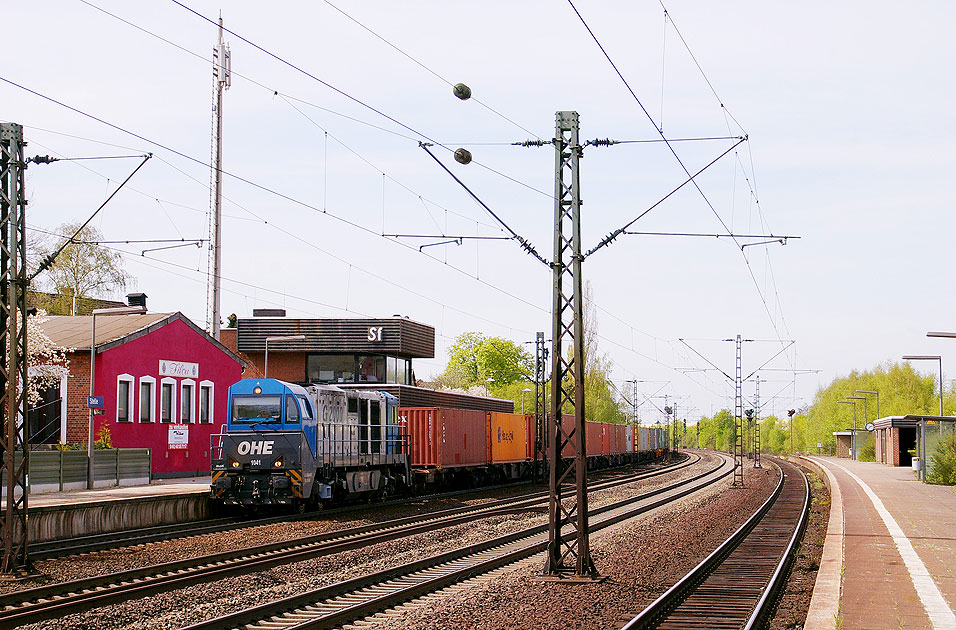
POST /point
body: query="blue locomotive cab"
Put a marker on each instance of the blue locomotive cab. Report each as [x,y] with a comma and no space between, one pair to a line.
[267,453]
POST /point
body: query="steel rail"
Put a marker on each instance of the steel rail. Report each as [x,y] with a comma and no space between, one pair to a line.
[55,600]
[752,587]
[348,601]
[119,539]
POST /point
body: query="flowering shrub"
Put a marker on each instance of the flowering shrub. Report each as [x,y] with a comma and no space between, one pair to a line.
[47,363]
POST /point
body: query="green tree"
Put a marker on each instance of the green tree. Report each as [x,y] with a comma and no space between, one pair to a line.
[473,359]
[83,269]
[902,391]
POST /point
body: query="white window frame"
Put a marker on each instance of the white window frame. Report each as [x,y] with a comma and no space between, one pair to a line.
[212,402]
[188,382]
[130,407]
[64,380]
[152,399]
[172,400]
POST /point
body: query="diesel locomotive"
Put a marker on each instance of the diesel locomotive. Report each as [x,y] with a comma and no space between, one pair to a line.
[284,444]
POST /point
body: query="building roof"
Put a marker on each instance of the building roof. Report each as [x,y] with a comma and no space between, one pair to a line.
[909,420]
[114,330]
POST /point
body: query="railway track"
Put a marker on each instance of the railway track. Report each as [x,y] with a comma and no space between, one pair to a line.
[359,598]
[65,547]
[736,585]
[56,600]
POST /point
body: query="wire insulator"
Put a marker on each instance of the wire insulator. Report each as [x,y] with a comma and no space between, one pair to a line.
[599,142]
[532,143]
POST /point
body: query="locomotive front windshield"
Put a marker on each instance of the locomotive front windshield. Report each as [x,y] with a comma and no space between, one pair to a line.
[249,409]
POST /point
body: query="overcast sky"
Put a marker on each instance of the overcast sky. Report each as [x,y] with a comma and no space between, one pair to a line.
[848,109]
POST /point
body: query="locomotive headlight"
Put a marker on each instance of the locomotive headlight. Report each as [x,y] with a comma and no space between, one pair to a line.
[277,463]
[235,464]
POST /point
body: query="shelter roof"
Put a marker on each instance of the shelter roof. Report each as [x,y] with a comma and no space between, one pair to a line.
[909,420]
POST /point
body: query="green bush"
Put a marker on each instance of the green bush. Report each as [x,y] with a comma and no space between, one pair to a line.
[103,438]
[943,471]
[867,453]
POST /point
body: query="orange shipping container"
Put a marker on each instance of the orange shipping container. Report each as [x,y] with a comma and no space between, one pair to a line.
[509,437]
[445,438]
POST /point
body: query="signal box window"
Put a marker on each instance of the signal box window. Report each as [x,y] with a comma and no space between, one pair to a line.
[397,370]
[371,369]
[330,368]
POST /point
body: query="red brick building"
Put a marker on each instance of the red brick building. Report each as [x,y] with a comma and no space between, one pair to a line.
[163,380]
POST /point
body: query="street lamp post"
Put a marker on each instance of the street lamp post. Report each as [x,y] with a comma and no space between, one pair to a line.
[934,357]
[488,381]
[523,392]
[872,391]
[275,340]
[852,435]
[119,310]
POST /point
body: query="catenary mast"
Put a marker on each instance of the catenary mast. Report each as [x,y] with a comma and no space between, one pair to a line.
[222,79]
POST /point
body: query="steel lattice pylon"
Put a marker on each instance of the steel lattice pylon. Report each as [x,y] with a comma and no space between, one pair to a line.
[738,434]
[756,429]
[540,404]
[13,347]
[568,513]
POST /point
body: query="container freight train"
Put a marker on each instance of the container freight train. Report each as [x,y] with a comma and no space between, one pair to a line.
[285,444]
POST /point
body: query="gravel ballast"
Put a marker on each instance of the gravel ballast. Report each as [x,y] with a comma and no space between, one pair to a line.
[640,558]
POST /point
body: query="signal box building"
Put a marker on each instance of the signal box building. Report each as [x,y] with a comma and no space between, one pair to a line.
[163,381]
[351,353]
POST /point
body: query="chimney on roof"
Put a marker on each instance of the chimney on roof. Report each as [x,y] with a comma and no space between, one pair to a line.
[268,312]
[136,299]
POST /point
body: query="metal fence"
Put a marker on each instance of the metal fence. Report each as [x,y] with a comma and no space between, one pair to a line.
[53,471]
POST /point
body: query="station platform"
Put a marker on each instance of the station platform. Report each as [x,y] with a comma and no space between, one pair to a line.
[889,560]
[56,515]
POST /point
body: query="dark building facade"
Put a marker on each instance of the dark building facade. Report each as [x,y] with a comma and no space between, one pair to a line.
[362,353]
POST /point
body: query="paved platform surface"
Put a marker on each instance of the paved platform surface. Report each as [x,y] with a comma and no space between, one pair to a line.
[159,488]
[898,555]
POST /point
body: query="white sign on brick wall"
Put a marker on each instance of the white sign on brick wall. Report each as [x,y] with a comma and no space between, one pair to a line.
[181,369]
[178,437]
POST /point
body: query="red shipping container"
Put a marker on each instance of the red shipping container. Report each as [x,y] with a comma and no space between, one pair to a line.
[447,438]
[567,425]
[529,435]
[596,438]
[618,438]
